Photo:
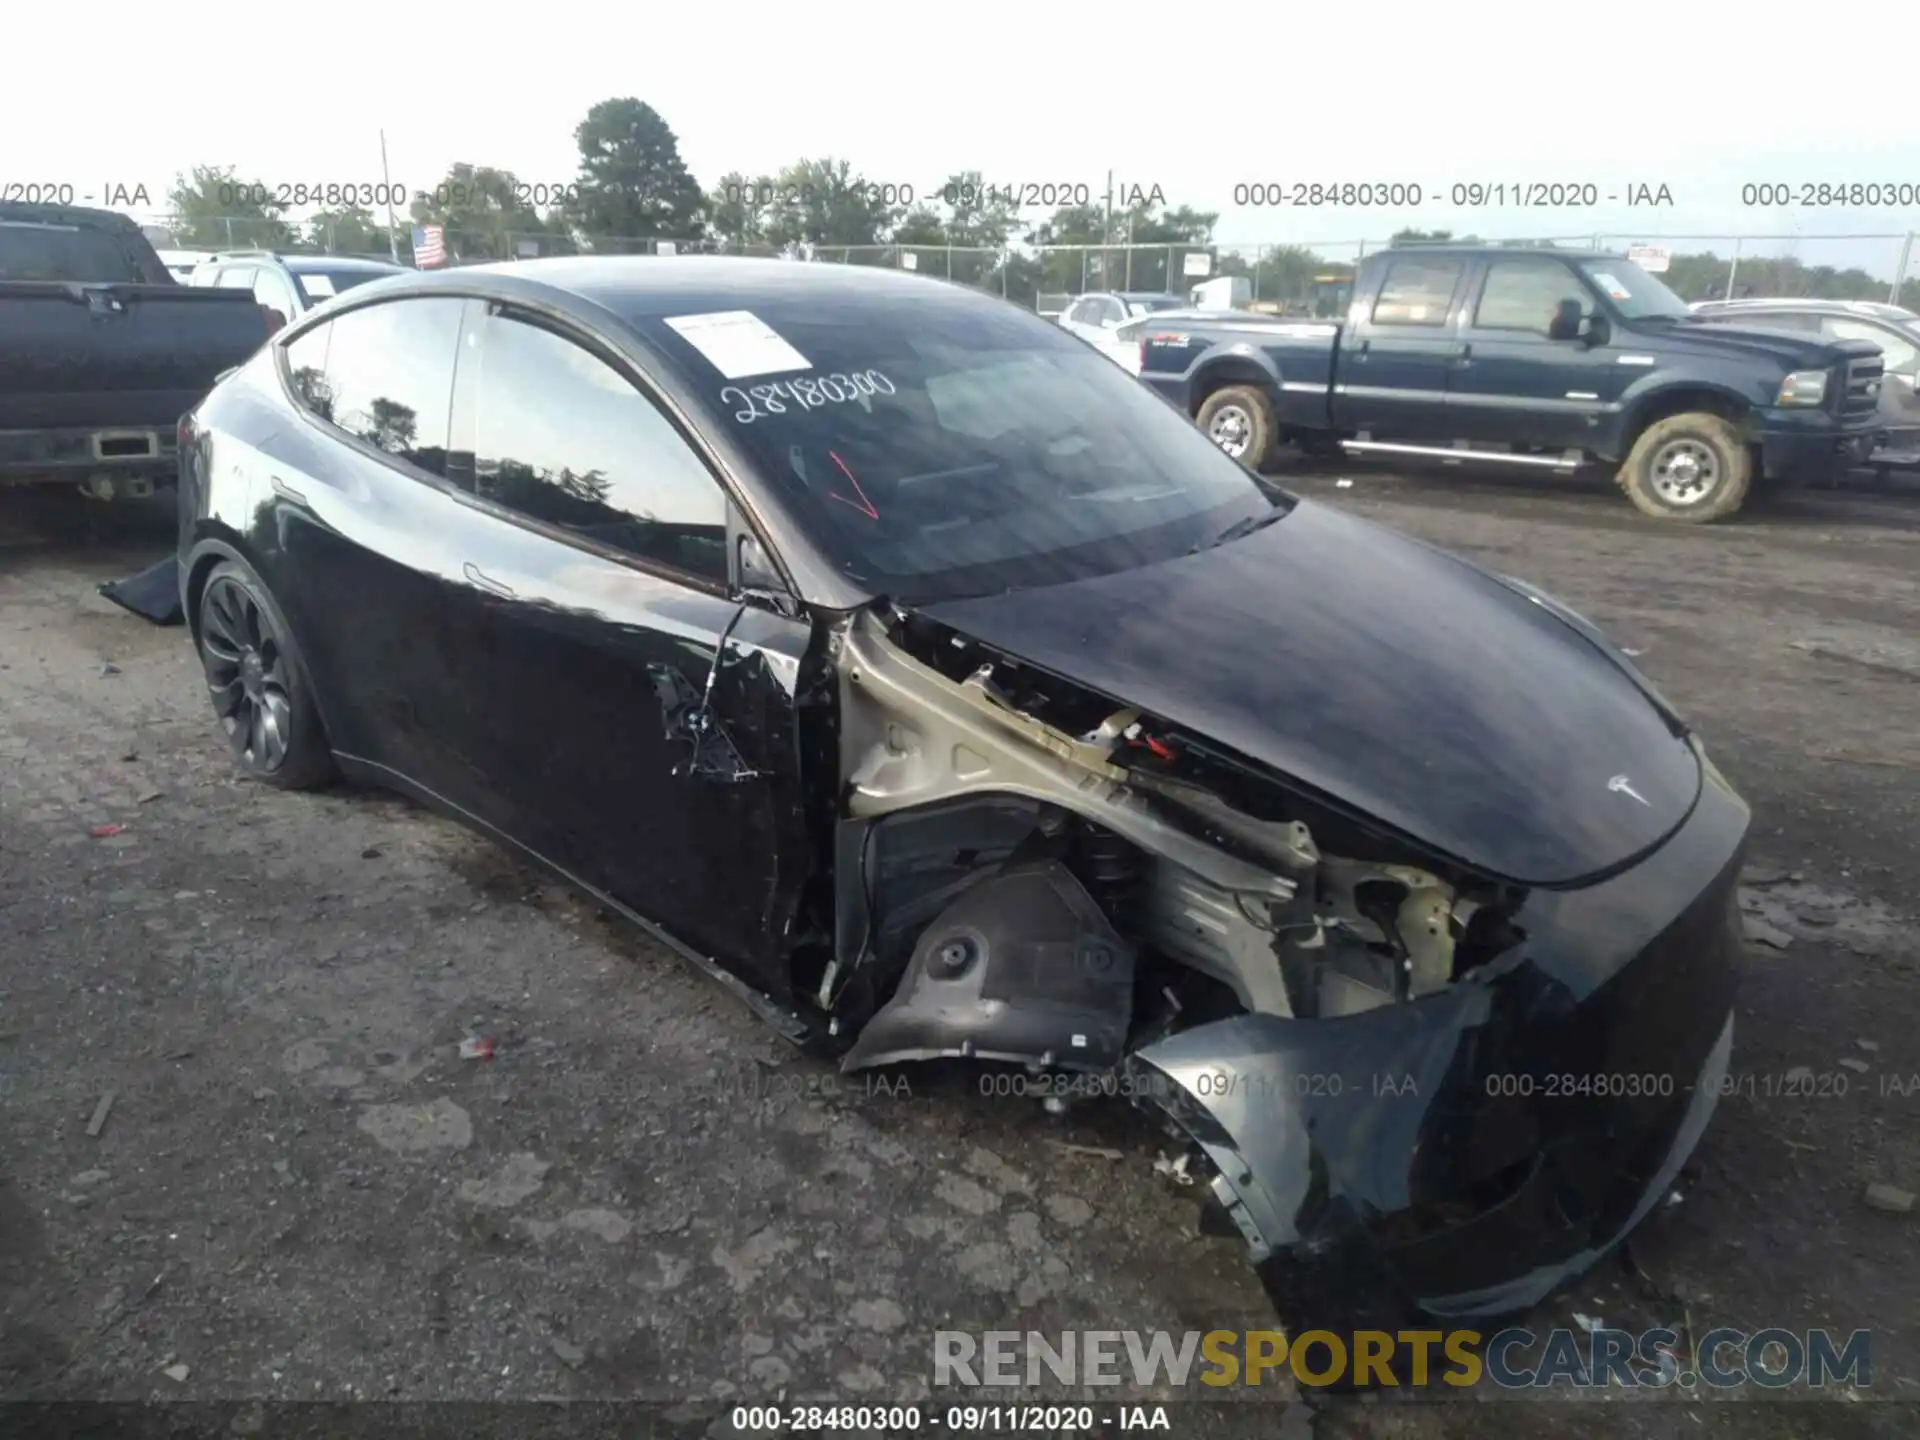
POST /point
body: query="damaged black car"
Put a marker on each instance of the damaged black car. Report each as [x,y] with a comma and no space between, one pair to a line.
[913,670]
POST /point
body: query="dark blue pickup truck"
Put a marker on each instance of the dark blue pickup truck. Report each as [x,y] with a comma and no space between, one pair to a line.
[1531,356]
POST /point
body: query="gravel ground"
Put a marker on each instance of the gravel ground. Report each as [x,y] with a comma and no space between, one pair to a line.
[300,1191]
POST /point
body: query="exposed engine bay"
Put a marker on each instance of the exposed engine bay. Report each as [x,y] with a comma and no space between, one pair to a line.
[1032,872]
[1325,1014]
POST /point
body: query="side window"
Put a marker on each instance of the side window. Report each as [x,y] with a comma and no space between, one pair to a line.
[1112,312]
[307,370]
[389,377]
[1524,294]
[564,438]
[1898,354]
[1080,312]
[1417,292]
[234,277]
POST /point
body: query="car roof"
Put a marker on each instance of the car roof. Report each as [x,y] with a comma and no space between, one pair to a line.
[1146,294]
[642,287]
[304,260]
[1872,308]
[340,263]
[1558,252]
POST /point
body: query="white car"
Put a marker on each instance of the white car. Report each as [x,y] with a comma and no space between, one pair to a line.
[1097,319]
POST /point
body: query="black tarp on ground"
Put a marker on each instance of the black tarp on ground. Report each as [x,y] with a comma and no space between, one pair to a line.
[153,594]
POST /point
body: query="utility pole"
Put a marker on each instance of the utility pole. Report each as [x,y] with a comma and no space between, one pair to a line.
[1106,239]
[393,235]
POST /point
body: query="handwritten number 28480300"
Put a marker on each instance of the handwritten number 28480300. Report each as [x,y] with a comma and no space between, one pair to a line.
[761,402]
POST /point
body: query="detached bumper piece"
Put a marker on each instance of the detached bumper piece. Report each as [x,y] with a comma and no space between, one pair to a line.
[1023,965]
[152,594]
[1464,1155]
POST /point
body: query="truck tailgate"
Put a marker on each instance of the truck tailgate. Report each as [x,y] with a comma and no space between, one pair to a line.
[107,356]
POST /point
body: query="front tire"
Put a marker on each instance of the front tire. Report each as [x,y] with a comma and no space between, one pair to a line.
[1239,419]
[1694,468]
[259,686]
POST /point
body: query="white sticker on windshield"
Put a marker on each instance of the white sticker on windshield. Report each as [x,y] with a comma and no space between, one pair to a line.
[739,343]
[1612,286]
[318,287]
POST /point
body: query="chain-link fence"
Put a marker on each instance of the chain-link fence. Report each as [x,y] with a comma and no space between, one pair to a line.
[1304,277]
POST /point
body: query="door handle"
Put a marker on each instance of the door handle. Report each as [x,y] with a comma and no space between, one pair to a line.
[485,581]
[1365,345]
[1465,352]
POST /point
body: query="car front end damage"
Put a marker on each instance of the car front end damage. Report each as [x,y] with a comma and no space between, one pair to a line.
[1410,1086]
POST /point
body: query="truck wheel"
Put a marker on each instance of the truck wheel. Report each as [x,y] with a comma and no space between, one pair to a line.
[1239,419]
[1692,467]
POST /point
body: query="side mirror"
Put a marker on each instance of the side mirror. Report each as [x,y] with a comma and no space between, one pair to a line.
[1565,324]
[275,320]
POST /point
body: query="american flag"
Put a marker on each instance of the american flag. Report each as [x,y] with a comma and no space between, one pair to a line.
[429,246]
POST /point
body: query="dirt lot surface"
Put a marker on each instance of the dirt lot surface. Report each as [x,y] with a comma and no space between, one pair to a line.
[300,1191]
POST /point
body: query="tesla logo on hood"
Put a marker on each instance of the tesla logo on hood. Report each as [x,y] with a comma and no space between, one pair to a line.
[1621,785]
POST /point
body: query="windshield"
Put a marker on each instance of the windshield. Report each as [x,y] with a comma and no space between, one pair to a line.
[63,252]
[1154,304]
[958,446]
[1635,294]
[319,285]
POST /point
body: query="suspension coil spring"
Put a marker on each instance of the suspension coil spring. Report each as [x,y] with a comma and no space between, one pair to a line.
[1110,868]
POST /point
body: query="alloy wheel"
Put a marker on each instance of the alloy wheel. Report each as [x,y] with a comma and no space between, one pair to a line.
[247,674]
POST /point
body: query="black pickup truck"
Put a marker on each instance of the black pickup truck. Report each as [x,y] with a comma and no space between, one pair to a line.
[102,351]
[1531,356]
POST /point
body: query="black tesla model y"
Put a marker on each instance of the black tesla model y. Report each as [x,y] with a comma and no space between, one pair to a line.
[903,662]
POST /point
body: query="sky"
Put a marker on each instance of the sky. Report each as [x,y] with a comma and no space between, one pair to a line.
[1691,96]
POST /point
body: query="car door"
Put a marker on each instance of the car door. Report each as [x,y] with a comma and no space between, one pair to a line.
[592,606]
[1509,381]
[1392,374]
[1899,402]
[358,530]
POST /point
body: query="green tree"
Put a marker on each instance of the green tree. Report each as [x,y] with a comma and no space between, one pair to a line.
[825,203]
[1075,270]
[349,230]
[737,211]
[482,212]
[633,182]
[974,216]
[1286,274]
[922,225]
[214,209]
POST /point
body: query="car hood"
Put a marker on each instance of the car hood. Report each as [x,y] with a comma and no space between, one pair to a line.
[1385,674]
[1793,349]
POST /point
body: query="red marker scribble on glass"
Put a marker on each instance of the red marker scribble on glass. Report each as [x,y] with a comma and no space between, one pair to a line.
[863,505]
